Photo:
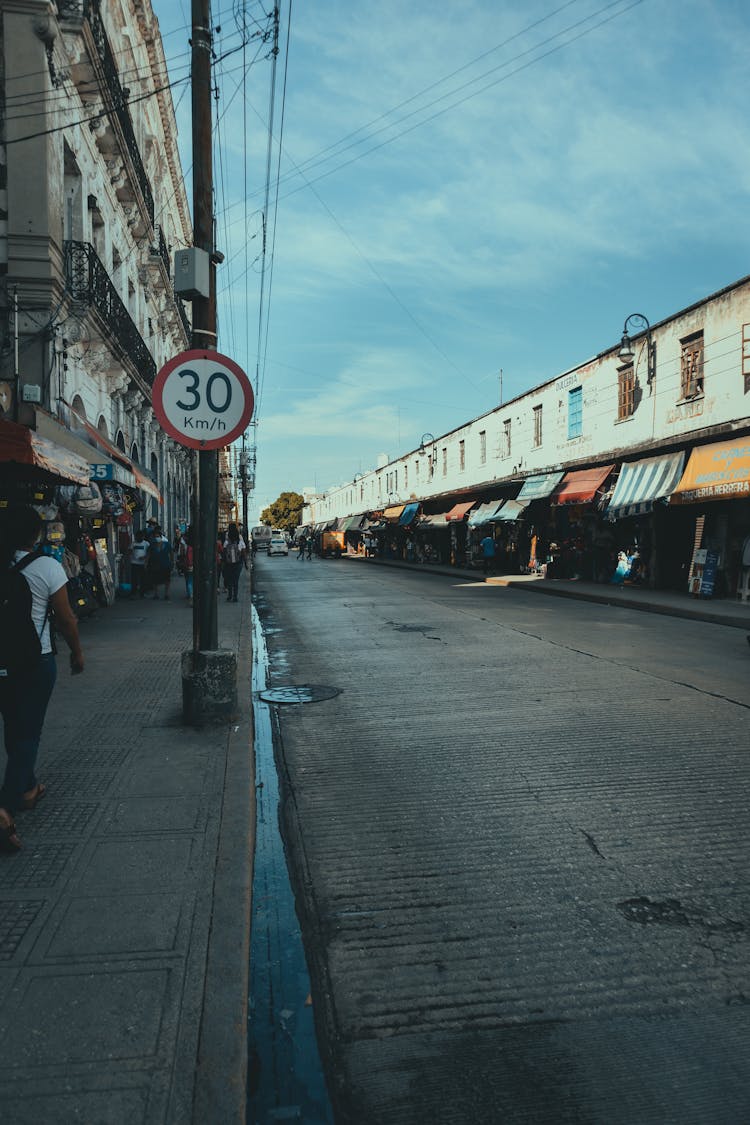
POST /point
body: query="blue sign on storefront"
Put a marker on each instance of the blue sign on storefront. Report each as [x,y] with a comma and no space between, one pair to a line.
[102,472]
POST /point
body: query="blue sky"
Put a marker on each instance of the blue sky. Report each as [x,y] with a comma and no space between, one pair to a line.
[464,188]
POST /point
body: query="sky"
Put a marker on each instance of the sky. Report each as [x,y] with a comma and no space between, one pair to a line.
[463,189]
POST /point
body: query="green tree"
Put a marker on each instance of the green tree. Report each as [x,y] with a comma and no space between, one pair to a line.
[284,512]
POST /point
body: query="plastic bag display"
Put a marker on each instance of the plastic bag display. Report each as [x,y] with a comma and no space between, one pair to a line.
[80,499]
[113,500]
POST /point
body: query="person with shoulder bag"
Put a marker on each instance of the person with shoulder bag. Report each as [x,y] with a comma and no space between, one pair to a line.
[32,588]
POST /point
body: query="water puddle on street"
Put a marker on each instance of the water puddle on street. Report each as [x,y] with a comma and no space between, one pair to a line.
[285,1080]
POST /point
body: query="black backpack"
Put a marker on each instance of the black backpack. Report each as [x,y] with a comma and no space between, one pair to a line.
[20,646]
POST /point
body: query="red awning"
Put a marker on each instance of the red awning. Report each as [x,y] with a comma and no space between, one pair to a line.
[21,446]
[142,481]
[458,511]
[581,486]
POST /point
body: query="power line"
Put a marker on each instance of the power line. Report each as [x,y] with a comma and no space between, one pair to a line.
[97,116]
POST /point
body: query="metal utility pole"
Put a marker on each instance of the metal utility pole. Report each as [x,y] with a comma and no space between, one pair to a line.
[205,626]
[501,386]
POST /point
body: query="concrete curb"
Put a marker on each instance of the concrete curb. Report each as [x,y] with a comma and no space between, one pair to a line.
[220,1092]
[735,617]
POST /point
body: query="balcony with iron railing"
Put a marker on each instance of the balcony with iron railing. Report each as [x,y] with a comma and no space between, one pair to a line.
[89,10]
[88,282]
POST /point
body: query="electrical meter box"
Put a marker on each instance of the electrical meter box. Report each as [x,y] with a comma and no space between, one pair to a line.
[191,273]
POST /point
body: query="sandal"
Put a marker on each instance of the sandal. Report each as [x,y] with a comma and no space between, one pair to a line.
[33,797]
[9,841]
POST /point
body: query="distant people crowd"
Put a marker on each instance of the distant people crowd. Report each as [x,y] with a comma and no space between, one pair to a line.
[153,559]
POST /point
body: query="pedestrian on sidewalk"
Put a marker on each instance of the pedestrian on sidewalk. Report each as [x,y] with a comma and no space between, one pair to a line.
[185,562]
[301,544]
[488,553]
[138,562]
[232,557]
[34,586]
[309,546]
[160,563]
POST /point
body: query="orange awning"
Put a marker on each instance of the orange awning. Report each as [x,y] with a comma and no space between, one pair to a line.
[458,511]
[715,472]
[581,485]
[115,454]
[21,446]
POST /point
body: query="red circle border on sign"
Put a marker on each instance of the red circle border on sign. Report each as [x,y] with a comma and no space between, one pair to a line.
[194,442]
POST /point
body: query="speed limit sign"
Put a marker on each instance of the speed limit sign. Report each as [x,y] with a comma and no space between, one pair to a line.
[202,399]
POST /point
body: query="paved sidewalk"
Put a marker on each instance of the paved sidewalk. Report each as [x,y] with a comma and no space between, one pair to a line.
[124,922]
[719,611]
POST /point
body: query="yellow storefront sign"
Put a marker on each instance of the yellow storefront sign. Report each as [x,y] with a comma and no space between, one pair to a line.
[716,472]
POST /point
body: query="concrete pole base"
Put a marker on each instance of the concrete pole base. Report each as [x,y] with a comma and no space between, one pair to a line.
[209,686]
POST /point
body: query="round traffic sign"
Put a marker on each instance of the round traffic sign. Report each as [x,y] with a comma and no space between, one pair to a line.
[202,399]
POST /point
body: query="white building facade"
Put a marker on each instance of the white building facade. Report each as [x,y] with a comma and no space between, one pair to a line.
[687,385]
[93,205]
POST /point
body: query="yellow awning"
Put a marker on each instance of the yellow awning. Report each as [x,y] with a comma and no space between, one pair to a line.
[392,514]
[715,472]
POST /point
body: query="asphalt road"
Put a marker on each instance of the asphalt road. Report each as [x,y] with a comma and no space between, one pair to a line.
[519,838]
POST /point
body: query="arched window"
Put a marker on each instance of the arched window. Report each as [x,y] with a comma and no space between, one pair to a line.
[102,426]
[77,405]
[120,440]
[134,453]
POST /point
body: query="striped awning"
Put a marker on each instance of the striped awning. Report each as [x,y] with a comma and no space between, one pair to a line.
[484,513]
[437,520]
[539,487]
[352,523]
[642,484]
[509,511]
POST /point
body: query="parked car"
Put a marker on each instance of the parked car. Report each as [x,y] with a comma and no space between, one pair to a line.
[278,545]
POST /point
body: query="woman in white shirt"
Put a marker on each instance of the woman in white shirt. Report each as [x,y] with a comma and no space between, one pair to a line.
[26,691]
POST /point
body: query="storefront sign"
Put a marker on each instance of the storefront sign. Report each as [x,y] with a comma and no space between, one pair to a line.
[708,578]
[716,472]
[102,472]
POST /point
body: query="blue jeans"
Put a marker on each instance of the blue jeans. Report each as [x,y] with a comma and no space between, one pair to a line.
[23,705]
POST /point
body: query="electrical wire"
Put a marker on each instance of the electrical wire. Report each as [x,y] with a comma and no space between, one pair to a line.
[97,116]
[315,161]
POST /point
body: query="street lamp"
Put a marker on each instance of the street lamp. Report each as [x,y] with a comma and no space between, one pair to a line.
[627,351]
[425,437]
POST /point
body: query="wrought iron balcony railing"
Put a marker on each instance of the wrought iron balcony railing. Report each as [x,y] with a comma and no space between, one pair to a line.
[88,282]
[90,10]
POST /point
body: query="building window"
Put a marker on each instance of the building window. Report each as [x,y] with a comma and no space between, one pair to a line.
[482,447]
[506,438]
[537,426]
[625,392]
[395,481]
[692,365]
[445,461]
[416,469]
[406,476]
[462,455]
[575,412]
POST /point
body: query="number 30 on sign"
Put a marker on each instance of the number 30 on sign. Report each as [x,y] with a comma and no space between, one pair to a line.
[202,399]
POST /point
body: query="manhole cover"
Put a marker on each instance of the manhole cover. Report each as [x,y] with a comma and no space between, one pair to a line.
[299,693]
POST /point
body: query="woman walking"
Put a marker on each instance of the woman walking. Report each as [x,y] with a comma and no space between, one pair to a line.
[233,558]
[32,586]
